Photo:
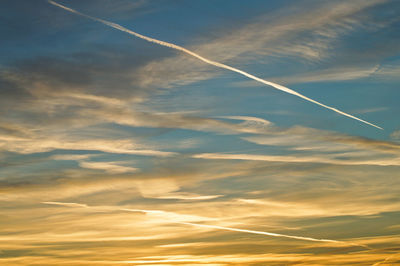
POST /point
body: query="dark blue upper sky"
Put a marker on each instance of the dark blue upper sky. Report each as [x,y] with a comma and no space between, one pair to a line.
[345,55]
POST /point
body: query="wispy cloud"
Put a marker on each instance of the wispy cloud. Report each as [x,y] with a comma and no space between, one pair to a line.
[337,73]
[185,196]
[109,167]
[306,145]
[395,135]
[307,31]
[27,146]
[211,62]
[71,157]
[326,75]
[172,217]
[298,159]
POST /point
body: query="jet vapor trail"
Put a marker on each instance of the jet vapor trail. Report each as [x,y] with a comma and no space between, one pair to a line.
[168,216]
[211,62]
[262,233]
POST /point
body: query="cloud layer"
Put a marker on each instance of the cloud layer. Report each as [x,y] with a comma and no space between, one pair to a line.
[146,156]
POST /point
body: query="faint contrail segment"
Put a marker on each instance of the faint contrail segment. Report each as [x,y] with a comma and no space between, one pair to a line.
[262,233]
[211,62]
[168,218]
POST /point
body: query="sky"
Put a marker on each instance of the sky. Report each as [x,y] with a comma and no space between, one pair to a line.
[178,132]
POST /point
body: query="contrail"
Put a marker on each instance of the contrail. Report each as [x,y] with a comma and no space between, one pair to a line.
[262,233]
[211,62]
[168,216]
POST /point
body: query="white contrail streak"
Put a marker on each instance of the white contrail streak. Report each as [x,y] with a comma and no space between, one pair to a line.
[168,218]
[211,62]
[262,233]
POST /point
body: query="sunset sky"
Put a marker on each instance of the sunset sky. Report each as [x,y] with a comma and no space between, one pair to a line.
[183,132]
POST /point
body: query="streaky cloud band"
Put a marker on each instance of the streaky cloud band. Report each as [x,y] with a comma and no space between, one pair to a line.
[211,62]
[166,214]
